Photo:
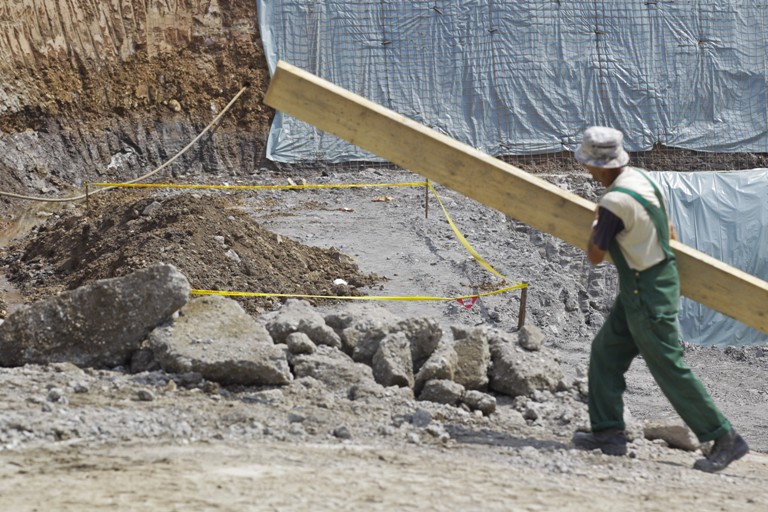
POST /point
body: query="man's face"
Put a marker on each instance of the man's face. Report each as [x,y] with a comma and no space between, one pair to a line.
[595,172]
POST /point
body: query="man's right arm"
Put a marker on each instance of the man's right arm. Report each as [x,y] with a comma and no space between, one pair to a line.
[607,227]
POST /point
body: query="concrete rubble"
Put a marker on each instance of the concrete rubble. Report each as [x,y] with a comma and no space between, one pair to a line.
[360,353]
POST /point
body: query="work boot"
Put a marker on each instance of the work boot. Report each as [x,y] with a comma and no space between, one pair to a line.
[610,442]
[727,448]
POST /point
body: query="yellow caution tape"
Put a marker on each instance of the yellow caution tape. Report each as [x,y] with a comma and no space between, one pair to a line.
[364,297]
[463,240]
[259,187]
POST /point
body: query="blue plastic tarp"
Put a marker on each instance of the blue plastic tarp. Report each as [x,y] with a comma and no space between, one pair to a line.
[723,215]
[525,77]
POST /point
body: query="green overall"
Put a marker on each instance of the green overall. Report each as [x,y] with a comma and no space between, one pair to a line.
[644,321]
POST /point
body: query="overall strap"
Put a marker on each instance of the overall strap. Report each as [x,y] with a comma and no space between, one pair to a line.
[657,214]
[655,190]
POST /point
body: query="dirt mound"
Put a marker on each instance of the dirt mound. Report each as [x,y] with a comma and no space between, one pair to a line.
[217,247]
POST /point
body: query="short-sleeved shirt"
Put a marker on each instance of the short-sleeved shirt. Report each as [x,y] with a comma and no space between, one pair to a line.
[629,222]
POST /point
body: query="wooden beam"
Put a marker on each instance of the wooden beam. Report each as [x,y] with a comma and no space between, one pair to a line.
[490,181]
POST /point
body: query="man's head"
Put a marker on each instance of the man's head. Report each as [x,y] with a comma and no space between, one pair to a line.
[601,147]
[601,153]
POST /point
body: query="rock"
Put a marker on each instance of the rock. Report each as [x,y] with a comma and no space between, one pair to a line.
[215,337]
[530,338]
[300,316]
[420,418]
[363,345]
[360,316]
[473,355]
[299,343]
[442,392]
[392,364]
[440,365]
[335,369]
[518,372]
[99,325]
[143,360]
[672,430]
[145,395]
[424,334]
[479,401]
[342,432]
[361,327]
[633,429]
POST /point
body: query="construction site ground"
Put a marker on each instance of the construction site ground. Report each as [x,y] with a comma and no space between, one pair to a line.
[199,459]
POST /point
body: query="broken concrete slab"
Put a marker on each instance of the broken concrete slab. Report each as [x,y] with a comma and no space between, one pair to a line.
[300,343]
[442,391]
[530,338]
[215,337]
[479,401]
[516,371]
[333,368]
[424,334]
[392,363]
[440,365]
[98,325]
[471,346]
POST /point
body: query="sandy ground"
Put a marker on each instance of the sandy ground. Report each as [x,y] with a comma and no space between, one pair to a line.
[285,476]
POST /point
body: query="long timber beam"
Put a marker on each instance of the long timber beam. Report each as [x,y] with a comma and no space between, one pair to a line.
[492,182]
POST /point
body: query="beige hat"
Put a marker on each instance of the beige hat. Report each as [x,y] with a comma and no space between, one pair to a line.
[602,147]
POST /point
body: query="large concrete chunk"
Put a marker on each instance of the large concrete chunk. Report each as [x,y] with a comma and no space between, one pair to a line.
[362,327]
[98,325]
[392,364]
[471,346]
[215,337]
[516,371]
[333,368]
[442,391]
[424,334]
[299,316]
[530,338]
[672,430]
[441,365]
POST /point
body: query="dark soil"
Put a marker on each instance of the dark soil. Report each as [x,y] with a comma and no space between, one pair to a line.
[217,247]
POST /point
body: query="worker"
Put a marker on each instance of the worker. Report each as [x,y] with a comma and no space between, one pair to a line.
[631,224]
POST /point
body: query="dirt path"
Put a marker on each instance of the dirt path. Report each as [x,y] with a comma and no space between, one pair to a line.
[318,477]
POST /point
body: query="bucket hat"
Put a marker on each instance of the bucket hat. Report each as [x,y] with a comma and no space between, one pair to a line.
[602,147]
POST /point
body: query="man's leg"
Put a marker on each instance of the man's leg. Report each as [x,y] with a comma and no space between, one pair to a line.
[658,343]
[687,394]
[612,353]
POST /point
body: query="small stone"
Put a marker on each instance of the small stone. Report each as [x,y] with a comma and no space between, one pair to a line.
[296,417]
[55,394]
[81,387]
[421,418]
[342,432]
[145,395]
